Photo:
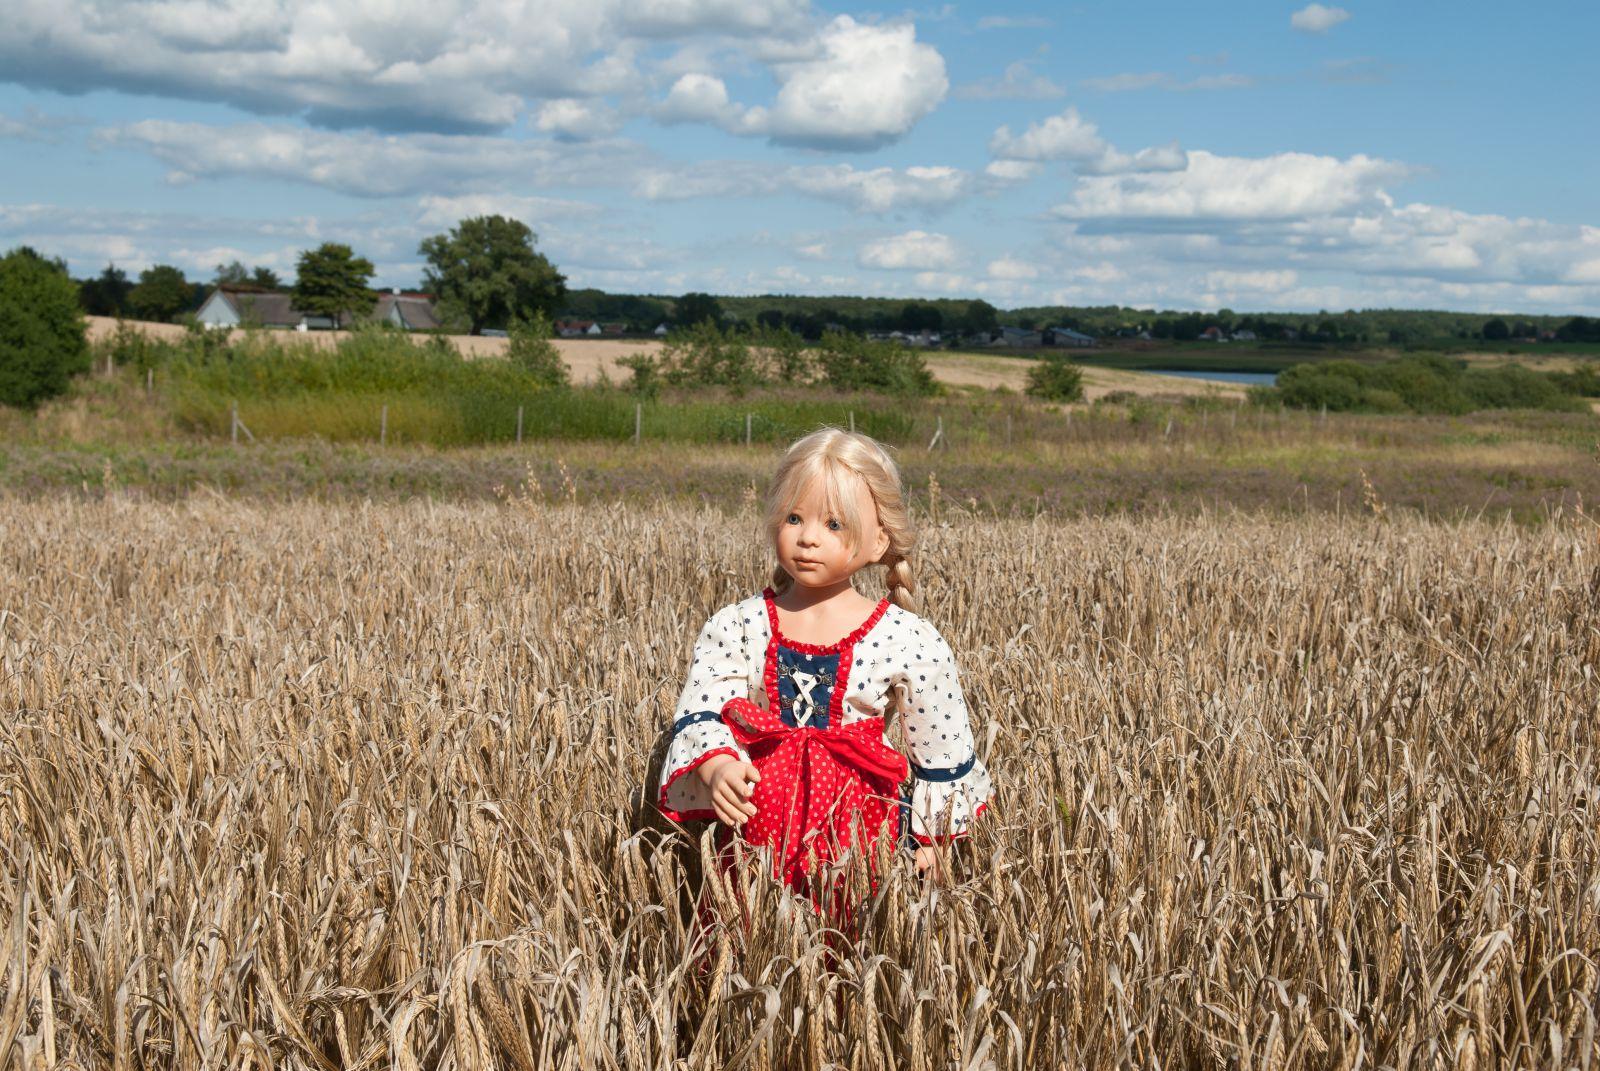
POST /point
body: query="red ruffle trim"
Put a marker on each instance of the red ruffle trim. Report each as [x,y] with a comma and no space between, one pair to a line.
[947,838]
[704,812]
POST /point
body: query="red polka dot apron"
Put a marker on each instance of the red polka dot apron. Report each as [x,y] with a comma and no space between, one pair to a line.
[817,786]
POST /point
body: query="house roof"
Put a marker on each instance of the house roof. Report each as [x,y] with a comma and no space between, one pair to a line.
[270,307]
[275,308]
[416,310]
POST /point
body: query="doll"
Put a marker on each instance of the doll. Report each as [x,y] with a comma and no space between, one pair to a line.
[780,732]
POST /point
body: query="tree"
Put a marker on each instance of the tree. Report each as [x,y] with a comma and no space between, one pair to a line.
[694,308]
[162,293]
[917,316]
[331,281]
[231,274]
[979,317]
[1496,330]
[265,278]
[486,272]
[42,343]
[106,295]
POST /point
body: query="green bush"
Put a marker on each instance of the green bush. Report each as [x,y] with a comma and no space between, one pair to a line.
[1418,384]
[851,362]
[531,350]
[1055,379]
[706,355]
[645,377]
[42,343]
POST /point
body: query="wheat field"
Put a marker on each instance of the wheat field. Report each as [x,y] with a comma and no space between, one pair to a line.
[319,785]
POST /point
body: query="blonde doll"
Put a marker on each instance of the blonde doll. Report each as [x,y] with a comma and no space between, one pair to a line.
[780,732]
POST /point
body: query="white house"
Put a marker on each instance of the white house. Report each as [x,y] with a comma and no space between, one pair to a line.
[229,307]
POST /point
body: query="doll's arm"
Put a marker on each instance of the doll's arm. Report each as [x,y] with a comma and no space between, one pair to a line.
[950,786]
[717,673]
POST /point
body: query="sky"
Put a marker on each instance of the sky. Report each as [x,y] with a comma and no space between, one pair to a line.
[1248,155]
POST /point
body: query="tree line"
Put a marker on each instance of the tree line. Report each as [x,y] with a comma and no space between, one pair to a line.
[483,273]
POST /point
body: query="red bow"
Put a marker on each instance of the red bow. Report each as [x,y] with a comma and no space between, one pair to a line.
[858,745]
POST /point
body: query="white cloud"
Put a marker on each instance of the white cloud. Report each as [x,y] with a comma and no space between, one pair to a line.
[363,164]
[1122,83]
[1011,170]
[439,65]
[814,251]
[881,189]
[1014,22]
[868,87]
[699,98]
[860,87]
[439,212]
[1018,82]
[920,250]
[1012,268]
[1235,282]
[1283,186]
[1315,18]
[1169,157]
[943,282]
[1067,136]
[577,120]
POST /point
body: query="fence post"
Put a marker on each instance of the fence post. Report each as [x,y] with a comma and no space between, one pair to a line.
[747,429]
[149,380]
[519,425]
[233,423]
[638,410]
[383,426]
[852,422]
[1008,429]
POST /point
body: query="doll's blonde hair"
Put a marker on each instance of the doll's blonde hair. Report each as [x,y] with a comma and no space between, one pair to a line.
[836,457]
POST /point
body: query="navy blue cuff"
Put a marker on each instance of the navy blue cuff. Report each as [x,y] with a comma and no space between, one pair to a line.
[950,773]
[690,719]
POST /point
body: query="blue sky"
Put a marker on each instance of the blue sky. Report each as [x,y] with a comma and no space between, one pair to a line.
[1250,155]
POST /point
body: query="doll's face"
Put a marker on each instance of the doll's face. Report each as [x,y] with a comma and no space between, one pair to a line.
[813,546]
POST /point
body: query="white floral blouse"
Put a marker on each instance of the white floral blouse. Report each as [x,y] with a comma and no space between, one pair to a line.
[895,663]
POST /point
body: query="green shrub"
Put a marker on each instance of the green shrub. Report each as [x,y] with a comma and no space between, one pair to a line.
[851,362]
[42,343]
[1419,384]
[706,355]
[645,378]
[531,350]
[1055,379]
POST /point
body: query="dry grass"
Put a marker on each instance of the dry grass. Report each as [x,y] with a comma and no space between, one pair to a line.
[331,785]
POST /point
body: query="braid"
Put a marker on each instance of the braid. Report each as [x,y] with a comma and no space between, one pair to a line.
[900,581]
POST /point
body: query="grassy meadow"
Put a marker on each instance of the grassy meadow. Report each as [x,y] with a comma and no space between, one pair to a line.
[332,784]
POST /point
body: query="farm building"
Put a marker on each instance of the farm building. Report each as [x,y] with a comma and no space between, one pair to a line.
[578,329]
[1066,336]
[230,307]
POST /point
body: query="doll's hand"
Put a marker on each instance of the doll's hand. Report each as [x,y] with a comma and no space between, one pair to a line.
[732,782]
[926,858]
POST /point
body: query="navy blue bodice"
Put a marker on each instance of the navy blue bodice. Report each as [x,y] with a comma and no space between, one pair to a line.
[805,686]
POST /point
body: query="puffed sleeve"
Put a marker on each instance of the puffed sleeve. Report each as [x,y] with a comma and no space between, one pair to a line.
[950,786]
[717,673]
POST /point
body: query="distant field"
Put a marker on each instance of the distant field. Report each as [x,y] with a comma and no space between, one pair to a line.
[588,358]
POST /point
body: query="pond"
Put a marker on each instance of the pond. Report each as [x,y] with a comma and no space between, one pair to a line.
[1263,378]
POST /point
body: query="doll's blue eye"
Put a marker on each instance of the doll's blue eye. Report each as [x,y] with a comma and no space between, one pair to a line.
[833,525]
[794,518]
